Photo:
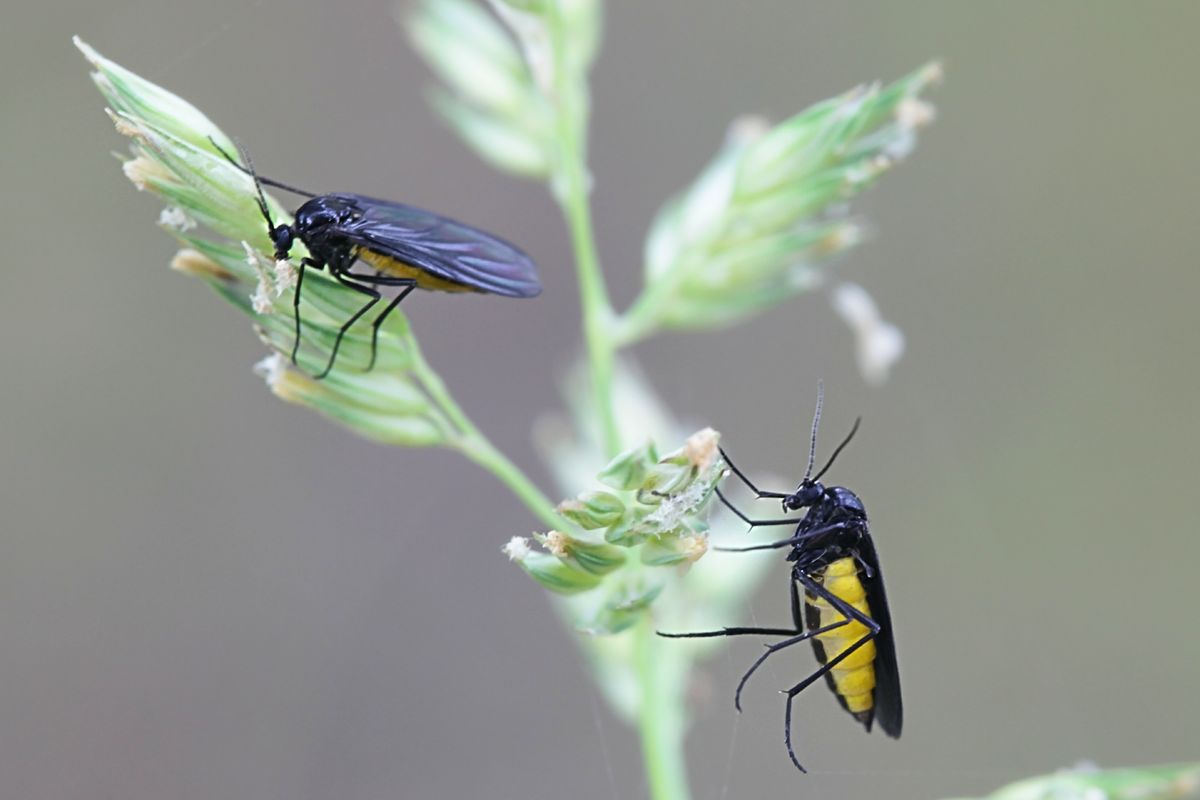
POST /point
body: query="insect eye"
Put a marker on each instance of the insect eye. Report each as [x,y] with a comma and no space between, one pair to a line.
[281,236]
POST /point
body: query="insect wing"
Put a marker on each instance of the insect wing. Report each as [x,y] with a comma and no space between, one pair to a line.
[442,247]
[886,708]
[889,709]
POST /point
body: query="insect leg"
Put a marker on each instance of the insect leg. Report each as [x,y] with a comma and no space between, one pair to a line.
[730,632]
[848,612]
[375,298]
[304,262]
[797,620]
[753,523]
[796,635]
[800,537]
[787,733]
[409,284]
[761,494]
[379,279]
[796,604]
[775,648]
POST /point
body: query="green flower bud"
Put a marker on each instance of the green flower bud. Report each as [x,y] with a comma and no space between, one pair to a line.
[594,557]
[494,102]
[621,532]
[592,510]
[552,573]
[629,469]
[656,526]
[667,477]
[132,94]
[195,179]
[673,476]
[470,50]
[386,411]
[762,220]
[669,550]
[622,609]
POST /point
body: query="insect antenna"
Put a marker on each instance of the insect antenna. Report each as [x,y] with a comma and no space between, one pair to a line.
[258,179]
[287,188]
[839,449]
[261,199]
[812,444]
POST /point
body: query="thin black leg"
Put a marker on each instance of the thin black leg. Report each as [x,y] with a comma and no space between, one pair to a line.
[787,733]
[730,632]
[797,620]
[796,635]
[796,604]
[761,494]
[375,298]
[848,612]
[775,648]
[753,523]
[304,262]
[800,537]
[380,279]
[379,320]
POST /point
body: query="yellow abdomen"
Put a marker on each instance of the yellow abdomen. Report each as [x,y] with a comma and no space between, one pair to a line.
[854,678]
[398,269]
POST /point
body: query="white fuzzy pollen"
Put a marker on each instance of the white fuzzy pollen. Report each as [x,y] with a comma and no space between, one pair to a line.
[285,276]
[271,369]
[517,548]
[556,544]
[670,514]
[176,218]
[261,298]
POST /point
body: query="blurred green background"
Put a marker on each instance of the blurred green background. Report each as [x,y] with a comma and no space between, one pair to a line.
[205,593]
